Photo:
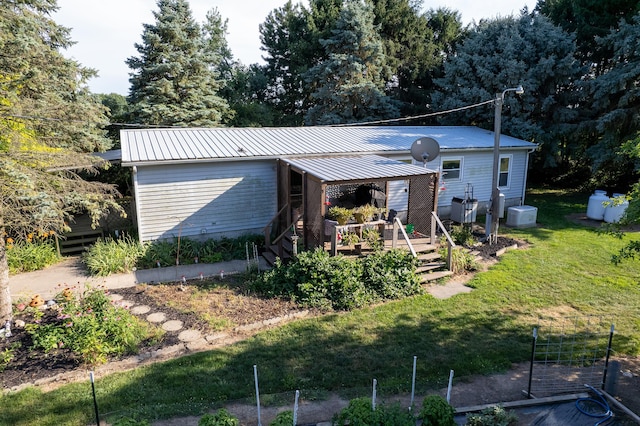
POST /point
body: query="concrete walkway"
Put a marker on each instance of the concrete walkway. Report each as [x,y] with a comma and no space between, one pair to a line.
[72,272]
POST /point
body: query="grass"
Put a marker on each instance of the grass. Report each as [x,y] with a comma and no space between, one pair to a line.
[566,270]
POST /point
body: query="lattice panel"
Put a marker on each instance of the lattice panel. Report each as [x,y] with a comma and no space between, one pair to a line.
[314,221]
[422,202]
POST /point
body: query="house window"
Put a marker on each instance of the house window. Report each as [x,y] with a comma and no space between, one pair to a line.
[505,171]
[452,169]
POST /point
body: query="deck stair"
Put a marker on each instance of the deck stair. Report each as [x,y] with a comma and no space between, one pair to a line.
[431,266]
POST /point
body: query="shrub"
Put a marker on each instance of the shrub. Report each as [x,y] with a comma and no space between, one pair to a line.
[436,411]
[25,256]
[111,256]
[316,279]
[462,235]
[220,418]
[492,416]
[391,274]
[284,418]
[358,413]
[91,327]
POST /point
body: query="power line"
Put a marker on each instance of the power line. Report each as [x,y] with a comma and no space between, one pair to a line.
[391,120]
[414,117]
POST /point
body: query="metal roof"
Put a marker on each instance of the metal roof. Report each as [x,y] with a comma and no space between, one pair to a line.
[142,146]
[356,168]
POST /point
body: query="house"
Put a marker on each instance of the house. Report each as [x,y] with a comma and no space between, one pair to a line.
[217,182]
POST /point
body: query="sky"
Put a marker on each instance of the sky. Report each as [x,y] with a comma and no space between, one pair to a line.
[105,31]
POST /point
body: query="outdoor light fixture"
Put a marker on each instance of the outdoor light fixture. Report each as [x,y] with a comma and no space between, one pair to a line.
[493,212]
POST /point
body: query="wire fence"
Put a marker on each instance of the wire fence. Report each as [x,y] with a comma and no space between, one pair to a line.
[569,353]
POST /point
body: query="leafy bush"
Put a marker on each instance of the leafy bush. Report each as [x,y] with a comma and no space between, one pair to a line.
[436,411]
[25,256]
[391,274]
[284,418]
[220,418]
[316,279]
[360,413]
[492,416]
[111,256]
[462,235]
[91,327]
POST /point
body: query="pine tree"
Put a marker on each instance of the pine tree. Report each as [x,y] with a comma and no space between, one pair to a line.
[503,53]
[48,119]
[173,83]
[349,85]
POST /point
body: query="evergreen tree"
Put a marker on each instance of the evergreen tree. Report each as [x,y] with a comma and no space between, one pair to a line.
[589,20]
[612,109]
[349,84]
[173,83]
[503,53]
[48,121]
[287,38]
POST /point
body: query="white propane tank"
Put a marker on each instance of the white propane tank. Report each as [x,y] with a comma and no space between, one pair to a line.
[595,208]
[614,211]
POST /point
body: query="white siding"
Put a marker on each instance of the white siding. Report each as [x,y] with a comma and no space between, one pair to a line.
[477,169]
[205,200]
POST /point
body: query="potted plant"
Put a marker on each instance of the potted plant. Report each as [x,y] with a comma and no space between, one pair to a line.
[364,213]
[340,214]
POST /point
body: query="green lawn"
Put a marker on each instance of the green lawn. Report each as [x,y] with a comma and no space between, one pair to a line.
[566,270]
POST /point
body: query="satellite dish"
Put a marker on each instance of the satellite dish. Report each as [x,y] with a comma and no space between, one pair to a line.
[425,150]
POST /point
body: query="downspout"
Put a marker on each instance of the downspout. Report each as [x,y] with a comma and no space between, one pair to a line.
[136,200]
[526,175]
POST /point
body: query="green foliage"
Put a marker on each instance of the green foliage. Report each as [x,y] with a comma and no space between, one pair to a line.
[172,81]
[91,327]
[25,256]
[492,416]
[284,418]
[122,255]
[436,411]
[128,421]
[391,274]
[7,355]
[482,68]
[111,256]
[340,214]
[462,235]
[359,412]
[348,86]
[373,238]
[461,259]
[220,418]
[316,279]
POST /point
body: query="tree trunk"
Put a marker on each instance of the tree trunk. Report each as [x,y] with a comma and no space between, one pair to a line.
[5,292]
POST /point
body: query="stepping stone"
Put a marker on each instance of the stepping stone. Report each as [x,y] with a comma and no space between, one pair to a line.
[124,303]
[156,317]
[114,297]
[189,335]
[141,309]
[173,325]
